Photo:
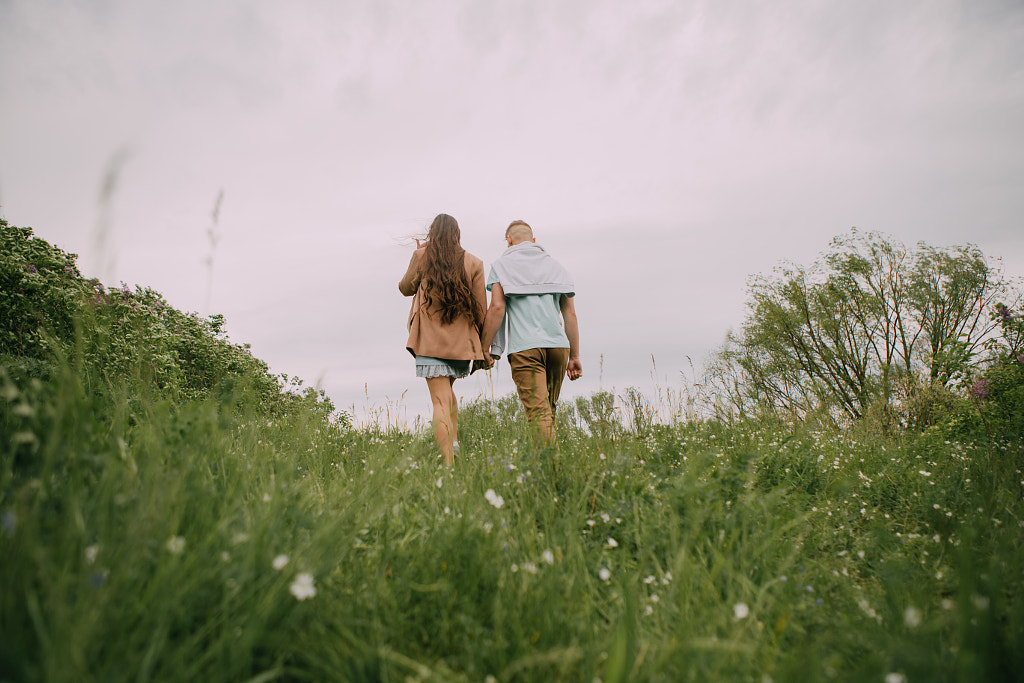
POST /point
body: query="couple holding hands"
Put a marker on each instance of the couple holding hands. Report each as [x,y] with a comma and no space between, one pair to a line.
[453,332]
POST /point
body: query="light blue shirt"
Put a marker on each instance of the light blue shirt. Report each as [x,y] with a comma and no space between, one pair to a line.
[534,320]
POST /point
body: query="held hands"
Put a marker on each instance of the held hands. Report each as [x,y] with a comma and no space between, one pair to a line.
[488,361]
[574,369]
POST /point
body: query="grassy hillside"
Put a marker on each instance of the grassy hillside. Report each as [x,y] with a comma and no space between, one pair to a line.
[168,516]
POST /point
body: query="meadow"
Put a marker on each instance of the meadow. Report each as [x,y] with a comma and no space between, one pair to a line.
[171,511]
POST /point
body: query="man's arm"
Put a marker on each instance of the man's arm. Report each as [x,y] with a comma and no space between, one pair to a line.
[574,369]
[492,321]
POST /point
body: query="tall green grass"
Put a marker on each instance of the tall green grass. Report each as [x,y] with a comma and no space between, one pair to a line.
[140,537]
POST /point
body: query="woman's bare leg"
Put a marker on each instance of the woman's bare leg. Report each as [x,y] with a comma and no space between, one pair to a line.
[446,415]
[455,413]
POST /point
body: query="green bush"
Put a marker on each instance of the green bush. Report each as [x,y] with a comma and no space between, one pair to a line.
[131,337]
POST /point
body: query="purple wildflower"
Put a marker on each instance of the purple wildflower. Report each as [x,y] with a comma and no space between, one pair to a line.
[68,269]
[97,579]
[31,268]
[1020,358]
[1004,313]
[10,522]
[979,389]
[125,289]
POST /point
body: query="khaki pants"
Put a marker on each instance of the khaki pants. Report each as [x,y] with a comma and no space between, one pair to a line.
[538,376]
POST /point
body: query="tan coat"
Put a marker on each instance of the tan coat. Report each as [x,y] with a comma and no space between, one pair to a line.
[427,336]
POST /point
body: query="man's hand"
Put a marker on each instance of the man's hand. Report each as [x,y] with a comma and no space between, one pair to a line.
[567,304]
[488,361]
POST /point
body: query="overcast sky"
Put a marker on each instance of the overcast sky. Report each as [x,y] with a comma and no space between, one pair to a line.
[663,152]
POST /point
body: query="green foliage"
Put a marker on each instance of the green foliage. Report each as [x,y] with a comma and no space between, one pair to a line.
[49,313]
[41,292]
[867,321]
[164,539]
[998,389]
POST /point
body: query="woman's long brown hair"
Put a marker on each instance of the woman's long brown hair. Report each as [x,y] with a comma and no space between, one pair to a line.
[444,273]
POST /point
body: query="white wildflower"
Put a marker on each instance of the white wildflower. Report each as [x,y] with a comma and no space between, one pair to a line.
[895,678]
[280,562]
[612,543]
[548,556]
[90,554]
[302,587]
[740,611]
[604,573]
[493,498]
[912,617]
[175,545]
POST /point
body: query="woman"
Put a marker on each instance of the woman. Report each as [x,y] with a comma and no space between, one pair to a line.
[449,301]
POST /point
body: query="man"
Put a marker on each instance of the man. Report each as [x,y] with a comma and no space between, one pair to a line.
[532,296]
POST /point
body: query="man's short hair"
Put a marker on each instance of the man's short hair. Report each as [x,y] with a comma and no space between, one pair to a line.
[519,231]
